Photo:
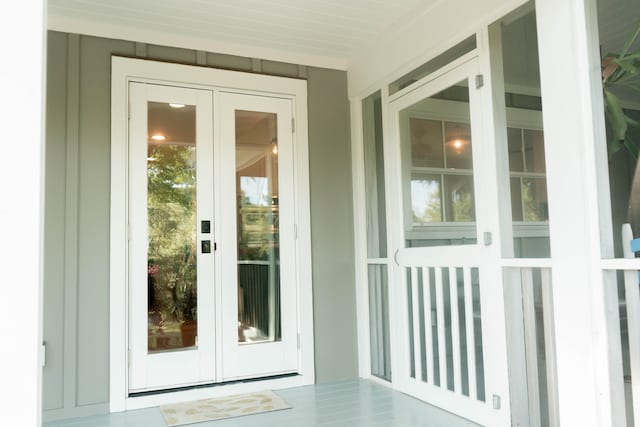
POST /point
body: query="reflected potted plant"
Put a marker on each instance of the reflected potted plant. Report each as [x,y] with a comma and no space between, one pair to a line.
[621,73]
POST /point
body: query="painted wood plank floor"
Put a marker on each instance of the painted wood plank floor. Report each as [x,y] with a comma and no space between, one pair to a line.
[358,403]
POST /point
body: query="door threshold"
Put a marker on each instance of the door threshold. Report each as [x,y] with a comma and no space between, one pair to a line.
[147,399]
[211,385]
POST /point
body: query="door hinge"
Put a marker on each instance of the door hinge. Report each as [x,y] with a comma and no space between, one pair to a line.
[43,354]
[488,238]
[479,81]
[496,402]
[293,125]
[129,357]
[298,341]
[295,231]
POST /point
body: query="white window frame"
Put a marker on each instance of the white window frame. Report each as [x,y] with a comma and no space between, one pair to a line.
[125,70]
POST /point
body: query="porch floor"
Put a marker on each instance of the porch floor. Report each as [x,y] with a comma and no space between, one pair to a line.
[358,403]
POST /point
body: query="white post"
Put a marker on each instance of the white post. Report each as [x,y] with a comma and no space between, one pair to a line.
[576,157]
[21,111]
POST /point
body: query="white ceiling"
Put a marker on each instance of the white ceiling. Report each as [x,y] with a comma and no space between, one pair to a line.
[326,31]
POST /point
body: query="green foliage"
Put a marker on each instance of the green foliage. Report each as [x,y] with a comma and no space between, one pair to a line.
[621,72]
[171,204]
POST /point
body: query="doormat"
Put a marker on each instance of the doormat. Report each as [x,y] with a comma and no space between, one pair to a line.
[198,411]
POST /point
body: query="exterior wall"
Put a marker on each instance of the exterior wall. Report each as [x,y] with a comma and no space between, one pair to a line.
[76,284]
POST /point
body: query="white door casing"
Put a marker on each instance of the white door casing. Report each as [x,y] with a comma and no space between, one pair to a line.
[199,82]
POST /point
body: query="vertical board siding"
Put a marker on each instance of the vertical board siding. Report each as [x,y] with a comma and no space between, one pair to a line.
[76,282]
[332,226]
[93,216]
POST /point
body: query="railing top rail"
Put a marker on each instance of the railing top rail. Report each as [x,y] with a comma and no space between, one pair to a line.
[526,262]
[620,264]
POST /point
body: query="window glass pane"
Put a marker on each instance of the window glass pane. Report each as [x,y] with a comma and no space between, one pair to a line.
[516,199]
[374,177]
[171,216]
[426,143]
[516,155]
[534,198]
[458,198]
[258,228]
[426,199]
[437,162]
[458,143]
[534,150]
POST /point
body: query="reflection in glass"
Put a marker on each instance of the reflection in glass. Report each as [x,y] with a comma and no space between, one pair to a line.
[516,199]
[425,199]
[374,176]
[426,143]
[458,198]
[516,155]
[458,143]
[534,198]
[438,169]
[171,213]
[257,227]
[379,322]
[534,150]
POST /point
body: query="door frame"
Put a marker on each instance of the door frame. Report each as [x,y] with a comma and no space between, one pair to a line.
[485,254]
[125,70]
[493,130]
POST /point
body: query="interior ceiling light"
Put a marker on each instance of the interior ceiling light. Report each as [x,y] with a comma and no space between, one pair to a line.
[158,137]
[172,105]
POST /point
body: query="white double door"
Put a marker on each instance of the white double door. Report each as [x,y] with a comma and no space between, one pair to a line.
[211,237]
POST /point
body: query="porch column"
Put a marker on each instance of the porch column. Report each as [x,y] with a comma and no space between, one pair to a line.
[21,172]
[576,158]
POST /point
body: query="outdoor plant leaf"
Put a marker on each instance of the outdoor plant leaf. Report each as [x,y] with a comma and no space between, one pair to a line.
[616,116]
[621,70]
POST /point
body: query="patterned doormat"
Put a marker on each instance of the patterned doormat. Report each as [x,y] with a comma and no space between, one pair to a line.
[197,411]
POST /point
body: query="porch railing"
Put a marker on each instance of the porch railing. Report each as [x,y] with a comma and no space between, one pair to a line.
[529,305]
[628,280]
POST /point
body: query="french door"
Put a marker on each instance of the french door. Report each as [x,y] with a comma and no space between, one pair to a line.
[211,238]
[448,313]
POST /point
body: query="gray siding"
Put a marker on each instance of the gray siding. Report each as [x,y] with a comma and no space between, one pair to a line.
[331,221]
[76,308]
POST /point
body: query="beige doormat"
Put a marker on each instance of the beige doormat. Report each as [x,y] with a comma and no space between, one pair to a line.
[197,411]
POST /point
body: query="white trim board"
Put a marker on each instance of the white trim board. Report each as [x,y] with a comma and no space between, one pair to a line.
[125,70]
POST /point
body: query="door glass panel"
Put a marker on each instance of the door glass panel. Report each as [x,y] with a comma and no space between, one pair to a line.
[171,225]
[437,166]
[257,227]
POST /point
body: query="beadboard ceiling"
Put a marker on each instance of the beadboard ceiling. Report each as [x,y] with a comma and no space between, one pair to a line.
[325,33]
[314,32]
